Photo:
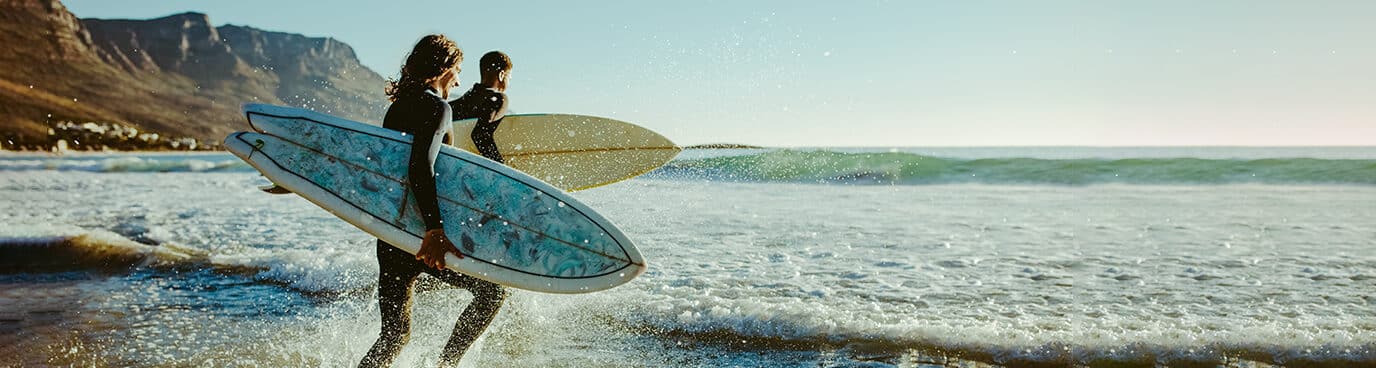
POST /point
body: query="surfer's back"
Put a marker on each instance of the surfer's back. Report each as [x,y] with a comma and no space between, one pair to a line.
[414,112]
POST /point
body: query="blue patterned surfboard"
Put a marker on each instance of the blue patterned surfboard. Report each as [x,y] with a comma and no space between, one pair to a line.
[513,229]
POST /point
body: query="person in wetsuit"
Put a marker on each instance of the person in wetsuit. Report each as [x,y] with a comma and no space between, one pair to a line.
[486,101]
[419,109]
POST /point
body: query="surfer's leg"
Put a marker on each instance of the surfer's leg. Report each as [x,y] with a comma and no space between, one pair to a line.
[487,300]
[397,271]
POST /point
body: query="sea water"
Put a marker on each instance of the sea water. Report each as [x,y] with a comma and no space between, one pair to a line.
[774,258]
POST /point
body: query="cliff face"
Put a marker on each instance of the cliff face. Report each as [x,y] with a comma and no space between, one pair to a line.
[42,29]
[176,75]
[318,73]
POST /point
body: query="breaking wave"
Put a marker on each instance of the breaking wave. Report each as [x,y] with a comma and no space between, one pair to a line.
[832,167]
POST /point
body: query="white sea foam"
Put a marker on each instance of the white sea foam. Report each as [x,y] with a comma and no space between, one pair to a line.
[125,163]
[1001,273]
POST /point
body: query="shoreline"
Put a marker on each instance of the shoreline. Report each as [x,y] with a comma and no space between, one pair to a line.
[10,153]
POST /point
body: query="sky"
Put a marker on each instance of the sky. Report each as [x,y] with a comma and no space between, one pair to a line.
[888,73]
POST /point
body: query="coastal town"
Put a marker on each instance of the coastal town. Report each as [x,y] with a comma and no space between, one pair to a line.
[69,136]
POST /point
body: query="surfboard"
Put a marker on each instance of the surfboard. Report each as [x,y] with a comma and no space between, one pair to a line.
[570,152]
[513,229]
[574,152]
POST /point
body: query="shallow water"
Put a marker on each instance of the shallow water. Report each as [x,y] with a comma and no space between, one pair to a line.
[197,267]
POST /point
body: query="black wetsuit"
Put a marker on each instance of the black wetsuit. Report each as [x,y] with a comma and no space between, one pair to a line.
[489,107]
[426,116]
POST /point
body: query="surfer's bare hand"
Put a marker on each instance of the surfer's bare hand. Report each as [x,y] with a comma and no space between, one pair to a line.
[433,248]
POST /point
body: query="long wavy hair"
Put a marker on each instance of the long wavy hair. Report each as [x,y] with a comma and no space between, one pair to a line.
[431,57]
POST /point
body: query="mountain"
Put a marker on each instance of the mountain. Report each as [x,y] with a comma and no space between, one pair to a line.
[177,75]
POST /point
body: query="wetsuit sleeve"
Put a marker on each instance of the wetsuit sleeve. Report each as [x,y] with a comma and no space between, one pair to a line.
[421,170]
[490,114]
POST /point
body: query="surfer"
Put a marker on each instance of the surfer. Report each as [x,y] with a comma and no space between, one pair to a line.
[419,109]
[486,101]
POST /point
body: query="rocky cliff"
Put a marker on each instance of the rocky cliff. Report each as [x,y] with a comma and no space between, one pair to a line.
[177,75]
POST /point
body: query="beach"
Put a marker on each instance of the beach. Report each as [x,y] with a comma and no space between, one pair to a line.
[1069,256]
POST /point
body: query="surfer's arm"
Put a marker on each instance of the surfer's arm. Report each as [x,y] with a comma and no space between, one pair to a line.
[492,110]
[421,173]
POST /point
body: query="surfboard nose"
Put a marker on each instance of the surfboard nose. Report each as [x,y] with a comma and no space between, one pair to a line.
[242,144]
[284,121]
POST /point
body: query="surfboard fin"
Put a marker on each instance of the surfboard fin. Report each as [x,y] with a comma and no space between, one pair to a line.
[275,189]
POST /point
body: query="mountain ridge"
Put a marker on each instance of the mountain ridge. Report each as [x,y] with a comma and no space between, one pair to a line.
[178,75]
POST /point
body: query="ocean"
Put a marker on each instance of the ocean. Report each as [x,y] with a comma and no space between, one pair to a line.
[847,257]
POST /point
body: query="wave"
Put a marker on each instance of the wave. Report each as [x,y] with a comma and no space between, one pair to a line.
[942,341]
[126,164]
[942,352]
[885,168]
[92,250]
[127,247]
[832,167]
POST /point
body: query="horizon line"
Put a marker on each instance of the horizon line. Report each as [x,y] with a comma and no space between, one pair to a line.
[1046,146]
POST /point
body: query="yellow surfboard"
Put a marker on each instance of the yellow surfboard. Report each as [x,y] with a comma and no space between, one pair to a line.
[573,152]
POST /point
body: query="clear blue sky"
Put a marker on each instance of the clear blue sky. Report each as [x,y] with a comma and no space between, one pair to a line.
[890,73]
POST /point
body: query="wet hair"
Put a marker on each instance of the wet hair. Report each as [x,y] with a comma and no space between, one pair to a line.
[433,55]
[494,62]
